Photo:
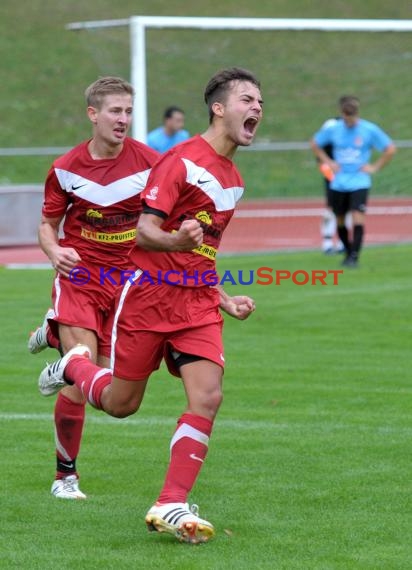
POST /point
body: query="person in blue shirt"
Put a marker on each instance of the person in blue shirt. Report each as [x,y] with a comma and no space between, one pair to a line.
[352,140]
[171,132]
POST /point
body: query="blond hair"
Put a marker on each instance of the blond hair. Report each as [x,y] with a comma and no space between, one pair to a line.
[103,86]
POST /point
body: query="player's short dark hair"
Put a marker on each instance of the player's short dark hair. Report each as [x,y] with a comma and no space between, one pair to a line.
[103,86]
[349,105]
[170,111]
[220,84]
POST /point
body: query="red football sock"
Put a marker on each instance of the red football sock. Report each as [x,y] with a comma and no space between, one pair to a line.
[69,421]
[188,450]
[89,378]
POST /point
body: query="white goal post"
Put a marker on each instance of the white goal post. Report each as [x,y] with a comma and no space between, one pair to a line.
[139,24]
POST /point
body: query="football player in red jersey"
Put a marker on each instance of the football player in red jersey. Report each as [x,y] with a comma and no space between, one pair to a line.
[188,201]
[95,188]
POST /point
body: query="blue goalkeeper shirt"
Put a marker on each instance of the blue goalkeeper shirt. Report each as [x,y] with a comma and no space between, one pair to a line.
[351,149]
[162,142]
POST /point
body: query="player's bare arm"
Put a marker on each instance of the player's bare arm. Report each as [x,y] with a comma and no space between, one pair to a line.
[239,306]
[150,235]
[384,158]
[323,157]
[63,259]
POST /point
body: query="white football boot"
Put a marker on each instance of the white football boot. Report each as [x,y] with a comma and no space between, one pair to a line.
[181,521]
[51,378]
[67,488]
[38,338]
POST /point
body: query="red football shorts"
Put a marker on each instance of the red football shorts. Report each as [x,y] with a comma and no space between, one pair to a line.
[152,320]
[84,300]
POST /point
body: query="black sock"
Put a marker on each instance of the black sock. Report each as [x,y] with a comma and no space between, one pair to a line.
[357,239]
[67,467]
[344,238]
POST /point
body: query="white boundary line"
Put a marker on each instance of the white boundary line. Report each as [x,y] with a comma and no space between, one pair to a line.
[153,421]
[262,426]
[28,266]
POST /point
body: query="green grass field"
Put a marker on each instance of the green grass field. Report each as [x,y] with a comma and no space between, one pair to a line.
[309,466]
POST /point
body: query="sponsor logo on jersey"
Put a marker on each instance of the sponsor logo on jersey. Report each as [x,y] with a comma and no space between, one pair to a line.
[206,250]
[204,181]
[98,220]
[93,213]
[153,192]
[348,155]
[206,221]
[109,238]
[204,217]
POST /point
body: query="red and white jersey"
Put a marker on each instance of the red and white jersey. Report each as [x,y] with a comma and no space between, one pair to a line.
[100,199]
[191,181]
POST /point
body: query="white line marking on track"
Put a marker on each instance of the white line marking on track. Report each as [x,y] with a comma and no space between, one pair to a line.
[315,212]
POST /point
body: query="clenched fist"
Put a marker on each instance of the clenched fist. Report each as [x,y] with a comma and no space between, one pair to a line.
[188,236]
[64,259]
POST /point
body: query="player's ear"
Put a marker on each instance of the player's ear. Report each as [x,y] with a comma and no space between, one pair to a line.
[218,109]
[92,114]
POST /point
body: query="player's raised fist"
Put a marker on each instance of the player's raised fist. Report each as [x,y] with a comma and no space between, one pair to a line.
[189,235]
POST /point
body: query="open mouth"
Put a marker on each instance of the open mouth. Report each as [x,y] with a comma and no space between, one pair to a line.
[250,125]
[119,131]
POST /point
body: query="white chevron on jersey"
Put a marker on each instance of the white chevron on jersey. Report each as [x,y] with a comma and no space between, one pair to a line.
[102,195]
[223,198]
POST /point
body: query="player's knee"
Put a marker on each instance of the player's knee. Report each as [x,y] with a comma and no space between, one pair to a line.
[218,399]
[122,409]
[212,401]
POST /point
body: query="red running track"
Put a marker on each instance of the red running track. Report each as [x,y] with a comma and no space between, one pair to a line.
[270,225]
[259,226]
